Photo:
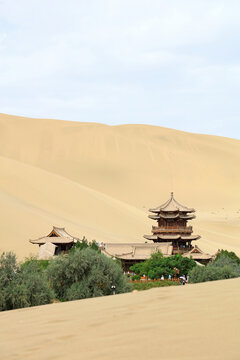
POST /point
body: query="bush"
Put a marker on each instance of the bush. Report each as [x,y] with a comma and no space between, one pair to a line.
[136,277]
[85,273]
[223,267]
[35,281]
[224,254]
[42,264]
[158,265]
[84,244]
[145,285]
[22,287]
[211,273]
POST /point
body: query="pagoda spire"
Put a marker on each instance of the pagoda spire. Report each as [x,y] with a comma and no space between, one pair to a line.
[172,218]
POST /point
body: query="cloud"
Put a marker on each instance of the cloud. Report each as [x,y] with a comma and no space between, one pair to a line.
[173,64]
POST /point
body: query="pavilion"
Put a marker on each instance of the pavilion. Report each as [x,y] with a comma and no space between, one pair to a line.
[58,241]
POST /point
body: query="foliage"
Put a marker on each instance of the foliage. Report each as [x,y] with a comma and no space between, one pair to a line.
[145,285]
[228,254]
[22,286]
[158,265]
[42,264]
[136,277]
[85,273]
[84,244]
[225,266]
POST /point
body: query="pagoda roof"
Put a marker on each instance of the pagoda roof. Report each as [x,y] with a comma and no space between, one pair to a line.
[136,251]
[56,236]
[197,254]
[53,240]
[171,206]
[172,237]
[172,216]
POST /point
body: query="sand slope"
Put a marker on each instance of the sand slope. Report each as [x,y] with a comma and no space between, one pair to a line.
[179,323]
[99,181]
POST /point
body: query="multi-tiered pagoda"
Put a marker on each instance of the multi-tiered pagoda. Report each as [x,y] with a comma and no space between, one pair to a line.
[172,227]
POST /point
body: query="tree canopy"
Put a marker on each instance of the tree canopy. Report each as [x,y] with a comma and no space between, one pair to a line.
[225,266]
[159,265]
[22,286]
[85,273]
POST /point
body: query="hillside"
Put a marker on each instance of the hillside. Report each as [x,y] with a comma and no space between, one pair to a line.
[99,181]
[178,323]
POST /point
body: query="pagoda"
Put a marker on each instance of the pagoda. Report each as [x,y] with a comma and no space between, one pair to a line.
[172,227]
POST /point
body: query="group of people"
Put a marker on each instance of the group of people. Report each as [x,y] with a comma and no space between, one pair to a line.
[183,279]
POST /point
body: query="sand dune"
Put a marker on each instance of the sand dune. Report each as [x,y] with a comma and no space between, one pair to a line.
[99,181]
[179,323]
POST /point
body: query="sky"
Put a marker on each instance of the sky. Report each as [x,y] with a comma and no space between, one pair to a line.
[171,63]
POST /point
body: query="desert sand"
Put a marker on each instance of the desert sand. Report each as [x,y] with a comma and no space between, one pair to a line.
[178,323]
[99,181]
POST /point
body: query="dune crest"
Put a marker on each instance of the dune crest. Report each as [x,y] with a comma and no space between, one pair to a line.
[99,181]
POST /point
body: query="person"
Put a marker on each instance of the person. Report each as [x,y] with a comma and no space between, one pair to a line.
[169,277]
[162,277]
[182,280]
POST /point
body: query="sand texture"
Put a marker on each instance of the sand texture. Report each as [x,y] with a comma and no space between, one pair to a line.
[99,181]
[198,322]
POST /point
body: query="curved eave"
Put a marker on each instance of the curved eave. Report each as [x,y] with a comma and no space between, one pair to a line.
[196,256]
[154,217]
[172,237]
[53,240]
[150,237]
[172,205]
[169,237]
[190,238]
[177,216]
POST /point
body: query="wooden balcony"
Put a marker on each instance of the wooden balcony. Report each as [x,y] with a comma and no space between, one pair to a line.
[181,250]
[171,230]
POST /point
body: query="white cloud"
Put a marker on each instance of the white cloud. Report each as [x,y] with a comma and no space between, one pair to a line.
[134,61]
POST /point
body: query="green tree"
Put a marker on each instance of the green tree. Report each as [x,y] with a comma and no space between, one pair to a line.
[159,265]
[85,273]
[84,244]
[225,266]
[22,287]
[227,254]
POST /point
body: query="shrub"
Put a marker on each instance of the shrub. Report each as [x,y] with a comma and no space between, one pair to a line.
[145,285]
[42,264]
[84,244]
[22,287]
[228,255]
[158,265]
[85,273]
[136,277]
[224,267]
[210,273]
[35,281]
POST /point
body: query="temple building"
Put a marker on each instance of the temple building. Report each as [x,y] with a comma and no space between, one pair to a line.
[171,236]
[58,241]
[132,253]
[172,227]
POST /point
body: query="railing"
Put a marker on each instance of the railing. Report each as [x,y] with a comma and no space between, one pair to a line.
[180,251]
[157,229]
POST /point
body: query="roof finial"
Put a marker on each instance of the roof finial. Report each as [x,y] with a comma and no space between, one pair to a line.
[172,194]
